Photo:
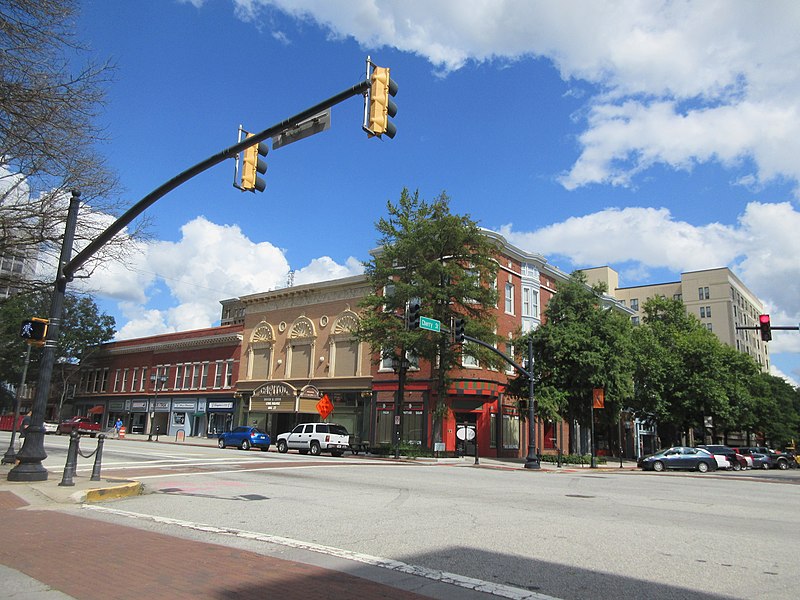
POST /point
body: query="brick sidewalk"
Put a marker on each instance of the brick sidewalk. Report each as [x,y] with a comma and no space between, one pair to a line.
[96,560]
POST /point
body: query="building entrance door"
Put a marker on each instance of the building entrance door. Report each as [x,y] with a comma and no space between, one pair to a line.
[466,434]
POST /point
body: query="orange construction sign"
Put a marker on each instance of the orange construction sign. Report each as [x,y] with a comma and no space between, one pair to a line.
[324,406]
[598,398]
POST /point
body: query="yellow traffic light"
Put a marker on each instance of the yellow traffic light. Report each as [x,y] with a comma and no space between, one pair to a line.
[381,106]
[252,165]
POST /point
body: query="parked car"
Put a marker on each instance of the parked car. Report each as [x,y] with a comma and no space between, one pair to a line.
[734,462]
[779,460]
[679,457]
[315,438]
[245,437]
[83,425]
[761,461]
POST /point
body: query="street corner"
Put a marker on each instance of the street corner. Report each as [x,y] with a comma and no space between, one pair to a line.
[112,489]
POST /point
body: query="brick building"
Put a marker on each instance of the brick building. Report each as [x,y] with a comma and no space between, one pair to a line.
[164,383]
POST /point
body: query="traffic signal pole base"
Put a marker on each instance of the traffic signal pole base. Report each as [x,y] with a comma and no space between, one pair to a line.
[30,458]
[532,462]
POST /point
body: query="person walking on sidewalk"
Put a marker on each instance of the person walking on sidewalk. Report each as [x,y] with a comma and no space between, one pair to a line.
[117,426]
[23,428]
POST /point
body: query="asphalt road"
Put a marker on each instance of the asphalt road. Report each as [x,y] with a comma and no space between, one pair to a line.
[576,534]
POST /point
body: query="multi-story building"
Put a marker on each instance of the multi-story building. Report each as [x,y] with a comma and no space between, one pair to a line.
[165,384]
[299,344]
[717,297]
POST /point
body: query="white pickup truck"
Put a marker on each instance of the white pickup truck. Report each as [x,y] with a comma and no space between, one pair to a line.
[315,438]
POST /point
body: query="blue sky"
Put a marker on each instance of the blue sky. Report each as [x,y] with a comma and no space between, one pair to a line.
[654,137]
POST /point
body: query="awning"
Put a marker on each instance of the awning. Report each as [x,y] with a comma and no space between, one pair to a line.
[97,410]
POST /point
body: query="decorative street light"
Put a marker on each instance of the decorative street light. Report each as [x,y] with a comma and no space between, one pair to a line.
[10,456]
[400,365]
[157,379]
[532,460]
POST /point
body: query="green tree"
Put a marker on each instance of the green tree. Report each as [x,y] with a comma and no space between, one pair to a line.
[442,260]
[51,93]
[83,326]
[582,345]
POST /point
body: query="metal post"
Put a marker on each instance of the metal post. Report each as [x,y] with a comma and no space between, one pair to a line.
[98,458]
[72,459]
[32,454]
[620,439]
[560,440]
[593,463]
[476,444]
[398,407]
[532,460]
[10,456]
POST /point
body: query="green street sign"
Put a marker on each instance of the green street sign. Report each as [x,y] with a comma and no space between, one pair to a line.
[430,324]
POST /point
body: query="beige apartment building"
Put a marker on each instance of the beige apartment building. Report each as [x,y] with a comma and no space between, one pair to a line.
[717,297]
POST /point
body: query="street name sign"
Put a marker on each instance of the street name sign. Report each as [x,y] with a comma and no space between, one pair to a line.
[430,324]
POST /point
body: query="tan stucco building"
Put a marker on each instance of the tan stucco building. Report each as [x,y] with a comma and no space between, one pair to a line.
[717,297]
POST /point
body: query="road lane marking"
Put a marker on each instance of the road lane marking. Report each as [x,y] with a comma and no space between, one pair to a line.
[487,587]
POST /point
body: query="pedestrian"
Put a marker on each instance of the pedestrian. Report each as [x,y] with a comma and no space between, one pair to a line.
[23,427]
[118,426]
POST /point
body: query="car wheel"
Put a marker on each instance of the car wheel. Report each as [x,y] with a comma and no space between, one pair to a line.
[282,447]
[658,466]
[736,466]
[265,448]
[765,466]
[783,465]
[702,467]
[245,445]
[315,449]
[221,443]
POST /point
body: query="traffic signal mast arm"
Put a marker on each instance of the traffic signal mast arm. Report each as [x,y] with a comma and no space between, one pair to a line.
[69,269]
[505,357]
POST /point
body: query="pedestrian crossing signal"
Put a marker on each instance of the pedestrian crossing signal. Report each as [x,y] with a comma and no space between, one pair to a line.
[34,330]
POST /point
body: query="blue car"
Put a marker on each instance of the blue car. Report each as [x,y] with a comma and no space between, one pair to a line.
[679,457]
[245,438]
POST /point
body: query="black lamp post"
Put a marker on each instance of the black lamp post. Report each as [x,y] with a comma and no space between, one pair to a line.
[156,379]
[10,456]
[532,460]
[400,366]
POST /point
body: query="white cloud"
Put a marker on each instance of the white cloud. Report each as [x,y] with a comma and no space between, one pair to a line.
[209,263]
[678,83]
[761,248]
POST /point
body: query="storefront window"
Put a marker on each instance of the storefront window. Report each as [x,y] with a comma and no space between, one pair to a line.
[412,426]
[510,431]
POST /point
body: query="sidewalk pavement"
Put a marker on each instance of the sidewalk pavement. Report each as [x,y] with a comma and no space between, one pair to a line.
[50,552]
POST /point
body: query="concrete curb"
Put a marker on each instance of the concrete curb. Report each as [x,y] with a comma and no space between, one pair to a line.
[114,492]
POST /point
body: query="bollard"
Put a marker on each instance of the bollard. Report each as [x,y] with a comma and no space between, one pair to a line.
[98,458]
[158,429]
[71,465]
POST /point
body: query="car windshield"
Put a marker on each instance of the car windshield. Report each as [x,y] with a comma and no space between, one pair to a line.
[338,430]
[257,430]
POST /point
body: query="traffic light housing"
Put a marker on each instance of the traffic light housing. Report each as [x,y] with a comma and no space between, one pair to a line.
[380,105]
[413,316]
[458,331]
[34,330]
[765,326]
[252,165]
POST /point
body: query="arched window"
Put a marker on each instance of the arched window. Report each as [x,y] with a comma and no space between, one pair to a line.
[301,348]
[345,356]
[261,343]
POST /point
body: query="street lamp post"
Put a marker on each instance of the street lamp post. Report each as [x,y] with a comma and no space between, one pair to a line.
[532,460]
[10,456]
[156,379]
[400,366]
